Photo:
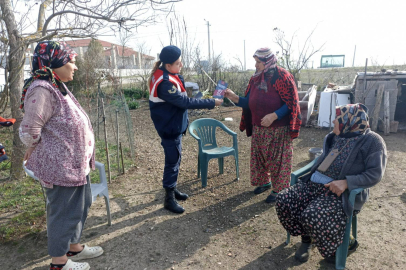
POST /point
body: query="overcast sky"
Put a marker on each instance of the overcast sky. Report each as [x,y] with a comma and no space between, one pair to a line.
[375,27]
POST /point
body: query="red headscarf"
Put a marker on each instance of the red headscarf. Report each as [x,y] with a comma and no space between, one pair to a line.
[266,56]
[47,56]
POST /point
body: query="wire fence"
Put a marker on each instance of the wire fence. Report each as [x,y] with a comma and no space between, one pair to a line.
[110,116]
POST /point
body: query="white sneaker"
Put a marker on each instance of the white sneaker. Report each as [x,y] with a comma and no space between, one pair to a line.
[76,266]
[87,253]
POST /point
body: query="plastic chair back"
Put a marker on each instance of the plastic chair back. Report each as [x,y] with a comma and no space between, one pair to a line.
[100,189]
[204,131]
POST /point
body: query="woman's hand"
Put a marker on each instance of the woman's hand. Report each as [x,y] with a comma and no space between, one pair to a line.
[231,95]
[268,119]
[28,153]
[218,102]
[337,186]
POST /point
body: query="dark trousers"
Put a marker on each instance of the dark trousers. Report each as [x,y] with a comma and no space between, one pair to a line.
[67,209]
[173,156]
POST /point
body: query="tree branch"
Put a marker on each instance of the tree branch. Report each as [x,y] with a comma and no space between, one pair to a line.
[104,18]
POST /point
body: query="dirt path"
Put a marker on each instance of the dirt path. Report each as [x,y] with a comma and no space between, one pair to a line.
[225,225]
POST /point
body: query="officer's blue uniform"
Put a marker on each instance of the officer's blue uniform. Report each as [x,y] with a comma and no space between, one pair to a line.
[170,116]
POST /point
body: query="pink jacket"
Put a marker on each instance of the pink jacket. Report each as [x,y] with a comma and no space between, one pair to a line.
[58,132]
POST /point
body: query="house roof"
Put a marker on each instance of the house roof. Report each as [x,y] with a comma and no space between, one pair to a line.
[85,43]
[119,49]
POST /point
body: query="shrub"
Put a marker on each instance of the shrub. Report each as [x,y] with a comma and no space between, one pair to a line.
[134,93]
[132,105]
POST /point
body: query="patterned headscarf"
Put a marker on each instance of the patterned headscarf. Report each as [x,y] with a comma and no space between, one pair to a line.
[352,119]
[48,55]
[266,56]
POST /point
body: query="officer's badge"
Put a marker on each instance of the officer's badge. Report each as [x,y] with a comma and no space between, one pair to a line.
[173,90]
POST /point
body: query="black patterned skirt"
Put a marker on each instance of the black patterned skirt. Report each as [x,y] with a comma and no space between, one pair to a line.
[310,209]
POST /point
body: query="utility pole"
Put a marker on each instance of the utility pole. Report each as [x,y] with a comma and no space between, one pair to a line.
[245,67]
[353,59]
[212,48]
[208,41]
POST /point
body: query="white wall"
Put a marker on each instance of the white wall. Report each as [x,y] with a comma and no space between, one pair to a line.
[126,72]
[27,70]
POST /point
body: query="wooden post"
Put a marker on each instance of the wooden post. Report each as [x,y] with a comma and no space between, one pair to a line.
[105,139]
[386,120]
[122,159]
[377,109]
[118,150]
[98,113]
[364,94]
[112,125]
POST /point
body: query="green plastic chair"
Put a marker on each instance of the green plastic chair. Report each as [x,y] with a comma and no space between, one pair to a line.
[342,251]
[205,129]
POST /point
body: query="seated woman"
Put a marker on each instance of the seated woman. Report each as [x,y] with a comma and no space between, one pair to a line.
[317,207]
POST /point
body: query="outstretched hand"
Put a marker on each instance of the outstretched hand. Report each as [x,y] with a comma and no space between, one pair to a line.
[231,95]
[218,102]
[337,186]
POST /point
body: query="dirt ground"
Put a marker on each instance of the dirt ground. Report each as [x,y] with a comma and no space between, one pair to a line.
[225,225]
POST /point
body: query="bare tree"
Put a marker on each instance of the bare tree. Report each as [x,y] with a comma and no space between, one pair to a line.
[196,67]
[179,35]
[125,36]
[145,67]
[90,66]
[292,60]
[60,19]
[239,62]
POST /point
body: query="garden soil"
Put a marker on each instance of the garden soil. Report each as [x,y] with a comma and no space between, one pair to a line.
[225,226]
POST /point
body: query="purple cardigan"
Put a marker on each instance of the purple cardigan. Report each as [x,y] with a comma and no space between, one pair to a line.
[58,134]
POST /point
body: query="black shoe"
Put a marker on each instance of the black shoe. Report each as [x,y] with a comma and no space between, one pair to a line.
[303,253]
[261,189]
[271,198]
[180,196]
[351,249]
[170,202]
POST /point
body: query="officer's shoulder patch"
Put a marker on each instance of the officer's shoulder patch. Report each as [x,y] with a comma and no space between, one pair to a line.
[173,90]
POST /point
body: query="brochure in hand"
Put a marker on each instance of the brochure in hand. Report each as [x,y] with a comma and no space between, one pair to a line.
[220,89]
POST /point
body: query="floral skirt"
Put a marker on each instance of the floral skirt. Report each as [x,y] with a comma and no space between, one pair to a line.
[311,209]
[271,157]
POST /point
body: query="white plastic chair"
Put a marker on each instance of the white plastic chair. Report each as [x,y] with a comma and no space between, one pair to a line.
[100,189]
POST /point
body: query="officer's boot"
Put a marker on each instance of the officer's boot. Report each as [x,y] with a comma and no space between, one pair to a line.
[180,195]
[170,202]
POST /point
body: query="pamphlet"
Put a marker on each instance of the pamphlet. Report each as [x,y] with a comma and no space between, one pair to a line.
[220,89]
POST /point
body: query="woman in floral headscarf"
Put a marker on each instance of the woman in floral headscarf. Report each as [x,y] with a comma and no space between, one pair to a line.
[317,207]
[60,141]
[271,114]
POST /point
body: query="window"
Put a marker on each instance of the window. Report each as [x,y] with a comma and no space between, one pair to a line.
[330,61]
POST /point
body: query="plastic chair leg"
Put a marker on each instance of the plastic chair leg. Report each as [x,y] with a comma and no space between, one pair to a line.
[354,226]
[204,166]
[107,201]
[287,238]
[237,169]
[342,251]
[198,167]
[221,165]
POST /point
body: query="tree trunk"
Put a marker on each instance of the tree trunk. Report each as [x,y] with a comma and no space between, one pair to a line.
[15,66]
